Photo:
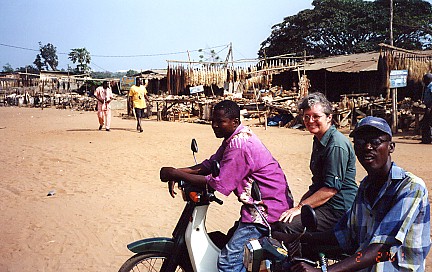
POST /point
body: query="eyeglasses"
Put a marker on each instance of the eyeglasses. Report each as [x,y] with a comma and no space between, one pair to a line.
[374,142]
[314,118]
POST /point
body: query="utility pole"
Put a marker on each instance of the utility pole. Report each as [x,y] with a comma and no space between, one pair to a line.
[391,22]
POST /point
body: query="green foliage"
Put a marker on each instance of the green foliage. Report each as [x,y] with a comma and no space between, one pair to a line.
[131,72]
[39,63]
[101,74]
[47,57]
[337,27]
[27,69]
[7,68]
[82,56]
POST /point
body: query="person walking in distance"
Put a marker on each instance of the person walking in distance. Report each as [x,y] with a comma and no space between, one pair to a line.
[138,96]
[104,96]
[427,117]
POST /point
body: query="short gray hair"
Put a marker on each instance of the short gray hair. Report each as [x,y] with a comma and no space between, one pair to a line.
[316,98]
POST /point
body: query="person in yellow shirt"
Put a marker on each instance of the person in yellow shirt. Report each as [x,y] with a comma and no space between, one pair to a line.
[138,96]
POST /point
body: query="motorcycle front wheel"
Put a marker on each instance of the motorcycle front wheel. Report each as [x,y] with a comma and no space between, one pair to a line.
[148,261]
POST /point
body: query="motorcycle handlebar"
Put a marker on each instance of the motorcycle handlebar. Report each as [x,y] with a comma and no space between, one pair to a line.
[212,197]
[208,191]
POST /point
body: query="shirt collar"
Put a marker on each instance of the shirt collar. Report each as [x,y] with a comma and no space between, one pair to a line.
[326,137]
[238,129]
[397,172]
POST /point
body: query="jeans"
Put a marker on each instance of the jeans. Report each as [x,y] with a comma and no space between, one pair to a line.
[231,256]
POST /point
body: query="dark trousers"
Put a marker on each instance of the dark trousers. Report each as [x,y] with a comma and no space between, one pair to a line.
[426,126]
[327,217]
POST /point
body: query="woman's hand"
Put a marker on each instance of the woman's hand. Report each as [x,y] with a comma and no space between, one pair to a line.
[290,214]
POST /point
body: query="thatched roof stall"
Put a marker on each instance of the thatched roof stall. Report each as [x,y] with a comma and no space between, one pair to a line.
[417,63]
[157,80]
[18,80]
[219,78]
[335,76]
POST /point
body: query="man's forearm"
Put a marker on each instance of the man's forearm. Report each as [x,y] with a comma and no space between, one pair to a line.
[368,257]
[195,179]
[319,197]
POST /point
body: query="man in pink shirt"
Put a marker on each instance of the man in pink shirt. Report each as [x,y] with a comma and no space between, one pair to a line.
[104,96]
[243,160]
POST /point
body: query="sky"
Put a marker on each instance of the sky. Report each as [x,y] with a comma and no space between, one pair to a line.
[138,34]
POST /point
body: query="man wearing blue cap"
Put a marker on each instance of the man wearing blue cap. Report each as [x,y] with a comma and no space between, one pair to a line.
[388,226]
[427,117]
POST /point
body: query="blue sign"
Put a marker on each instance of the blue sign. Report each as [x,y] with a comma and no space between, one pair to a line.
[398,78]
[196,89]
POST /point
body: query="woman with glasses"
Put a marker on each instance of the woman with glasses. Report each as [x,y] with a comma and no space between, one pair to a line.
[332,164]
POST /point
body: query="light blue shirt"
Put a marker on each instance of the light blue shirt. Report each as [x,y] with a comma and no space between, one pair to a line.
[399,217]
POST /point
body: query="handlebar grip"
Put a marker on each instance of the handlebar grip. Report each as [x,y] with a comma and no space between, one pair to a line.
[212,197]
[218,201]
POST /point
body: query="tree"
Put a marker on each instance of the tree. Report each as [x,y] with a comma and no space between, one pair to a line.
[39,63]
[27,69]
[82,56]
[337,27]
[105,74]
[131,72]
[47,57]
[412,23]
[7,68]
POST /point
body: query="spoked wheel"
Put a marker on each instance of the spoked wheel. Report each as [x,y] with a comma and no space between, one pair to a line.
[144,262]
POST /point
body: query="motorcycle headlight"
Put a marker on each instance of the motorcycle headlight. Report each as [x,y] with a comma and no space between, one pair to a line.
[253,255]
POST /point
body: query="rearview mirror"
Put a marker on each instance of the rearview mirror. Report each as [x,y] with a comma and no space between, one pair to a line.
[256,192]
[194,146]
[215,168]
[308,218]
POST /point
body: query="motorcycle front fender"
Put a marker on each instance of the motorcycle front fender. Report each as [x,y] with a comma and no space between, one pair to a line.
[158,244]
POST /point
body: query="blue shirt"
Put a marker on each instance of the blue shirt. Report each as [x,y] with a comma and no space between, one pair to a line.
[399,217]
[427,95]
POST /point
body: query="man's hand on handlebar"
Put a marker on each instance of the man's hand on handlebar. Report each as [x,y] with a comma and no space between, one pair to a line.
[167,174]
[171,185]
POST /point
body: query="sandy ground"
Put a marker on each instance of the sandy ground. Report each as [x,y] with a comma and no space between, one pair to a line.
[107,191]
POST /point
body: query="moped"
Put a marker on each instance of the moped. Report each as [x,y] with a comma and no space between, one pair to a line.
[271,254]
[190,248]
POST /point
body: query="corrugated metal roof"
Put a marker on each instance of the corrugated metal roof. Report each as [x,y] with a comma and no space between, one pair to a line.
[353,63]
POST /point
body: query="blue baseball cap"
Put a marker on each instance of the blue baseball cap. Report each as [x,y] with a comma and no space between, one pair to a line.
[374,122]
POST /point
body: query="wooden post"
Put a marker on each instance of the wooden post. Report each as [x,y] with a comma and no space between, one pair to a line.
[394,111]
[42,104]
[256,102]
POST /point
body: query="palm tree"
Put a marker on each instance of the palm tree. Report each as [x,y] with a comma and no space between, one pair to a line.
[82,56]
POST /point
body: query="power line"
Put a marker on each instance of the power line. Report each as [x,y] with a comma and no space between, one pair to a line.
[93,63]
[116,56]
[23,48]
